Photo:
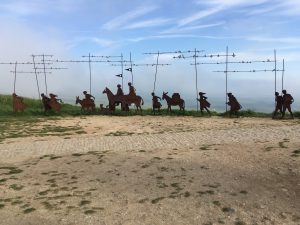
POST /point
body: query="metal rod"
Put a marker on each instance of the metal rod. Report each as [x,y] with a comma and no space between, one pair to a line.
[90,73]
[122,66]
[43,60]
[196,80]
[36,77]
[226,74]
[154,86]
[275,70]
[131,68]
[15,80]
[282,75]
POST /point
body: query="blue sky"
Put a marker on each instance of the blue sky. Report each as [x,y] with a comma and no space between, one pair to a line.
[69,29]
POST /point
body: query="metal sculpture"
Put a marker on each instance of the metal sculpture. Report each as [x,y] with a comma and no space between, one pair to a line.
[54,102]
[86,104]
[126,100]
[18,104]
[234,105]
[46,100]
[204,104]
[155,103]
[279,104]
[175,100]
[287,102]
[105,110]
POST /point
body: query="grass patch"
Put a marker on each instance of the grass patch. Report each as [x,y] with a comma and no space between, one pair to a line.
[228,210]
[156,200]
[89,211]
[84,202]
[2,206]
[119,133]
[29,210]
[281,144]
[16,187]
[12,170]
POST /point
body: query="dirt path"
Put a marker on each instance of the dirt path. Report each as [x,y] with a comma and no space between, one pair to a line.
[244,171]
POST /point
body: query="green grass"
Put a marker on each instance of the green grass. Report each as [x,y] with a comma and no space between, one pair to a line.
[34,109]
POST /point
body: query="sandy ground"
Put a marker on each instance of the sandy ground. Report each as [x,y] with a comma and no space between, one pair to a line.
[154,170]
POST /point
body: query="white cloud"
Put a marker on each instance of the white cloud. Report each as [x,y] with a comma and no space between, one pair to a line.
[199,15]
[123,20]
[148,23]
[192,28]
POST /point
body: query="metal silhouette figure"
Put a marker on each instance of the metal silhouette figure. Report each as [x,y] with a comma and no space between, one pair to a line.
[126,100]
[155,103]
[119,93]
[204,104]
[132,90]
[234,105]
[54,102]
[175,100]
[287,101]
[89,97]
[46,102]
[279,104]
[18,104]
[105,110]
[86,105]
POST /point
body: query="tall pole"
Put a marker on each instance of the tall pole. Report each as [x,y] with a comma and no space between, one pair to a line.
[131,68]
[90,73]
[226,74]
[45,73]
[155,71]
[275,70]
[196,79]
[36,77]
[122,68]
[282,76]
[15,77]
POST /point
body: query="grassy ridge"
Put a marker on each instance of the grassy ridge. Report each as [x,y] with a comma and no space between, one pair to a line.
[34,108]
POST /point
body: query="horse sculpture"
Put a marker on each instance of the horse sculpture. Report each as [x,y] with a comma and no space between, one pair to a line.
[125,100]
[175,100]
[85,105]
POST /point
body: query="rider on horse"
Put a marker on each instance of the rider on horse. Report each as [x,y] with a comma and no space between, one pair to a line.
[131,90]
[88,97]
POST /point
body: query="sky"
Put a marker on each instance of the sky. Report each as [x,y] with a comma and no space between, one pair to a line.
[70,29]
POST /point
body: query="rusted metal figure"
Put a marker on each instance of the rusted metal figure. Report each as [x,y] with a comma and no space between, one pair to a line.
[105,110]
[46,102]
[54,104]
[175,100]
[155,103]
[119,93]
[132,90]
[279,104]
[204,104]
[18,104]
[234,105]
[125,100]
[86,105]
[89,97]
[287,102]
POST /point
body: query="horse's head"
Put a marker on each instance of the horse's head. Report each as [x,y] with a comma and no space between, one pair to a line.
[164,95]
[77,100]
[105,91]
